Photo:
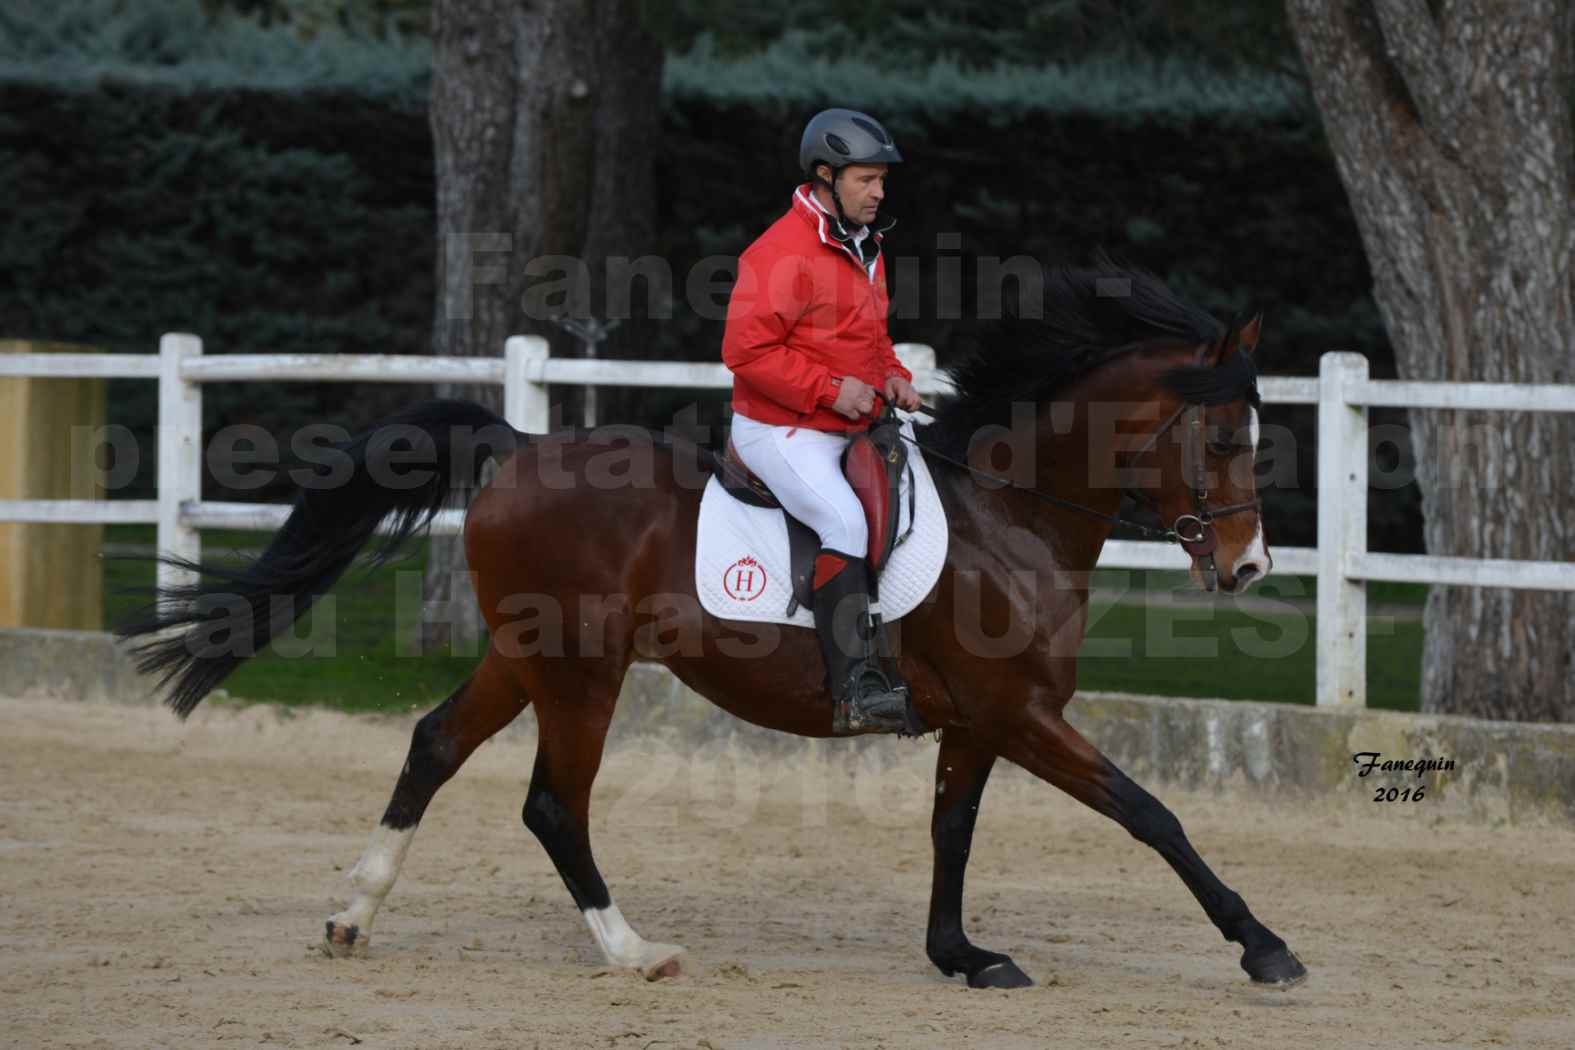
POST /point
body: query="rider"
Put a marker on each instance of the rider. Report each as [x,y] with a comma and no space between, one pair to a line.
[807,344]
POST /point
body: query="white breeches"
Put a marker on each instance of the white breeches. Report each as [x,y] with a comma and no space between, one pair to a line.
[804,470]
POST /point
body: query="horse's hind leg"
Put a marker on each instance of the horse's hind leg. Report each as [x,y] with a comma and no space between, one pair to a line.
[489,700]
[573,719]
[1047,746]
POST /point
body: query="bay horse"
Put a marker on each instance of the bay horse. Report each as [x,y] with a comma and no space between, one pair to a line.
[1122,386]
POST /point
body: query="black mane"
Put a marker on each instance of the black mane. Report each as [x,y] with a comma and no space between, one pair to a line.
[1090,316]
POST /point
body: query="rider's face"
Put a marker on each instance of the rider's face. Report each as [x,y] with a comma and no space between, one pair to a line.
[862,187]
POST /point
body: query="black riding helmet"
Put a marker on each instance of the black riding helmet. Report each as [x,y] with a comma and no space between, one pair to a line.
[840,137]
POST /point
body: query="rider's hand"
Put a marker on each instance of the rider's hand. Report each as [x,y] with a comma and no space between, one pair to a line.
[855,398]
[900,392]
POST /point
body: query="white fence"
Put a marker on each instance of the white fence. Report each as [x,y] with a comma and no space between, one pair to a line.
[1342,391]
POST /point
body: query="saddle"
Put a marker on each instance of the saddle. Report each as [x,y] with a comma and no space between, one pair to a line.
[874,463]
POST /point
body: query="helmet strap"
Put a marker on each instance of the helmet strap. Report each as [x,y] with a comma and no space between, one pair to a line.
[836,201]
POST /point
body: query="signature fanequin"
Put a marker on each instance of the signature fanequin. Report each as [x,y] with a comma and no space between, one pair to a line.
[1367,761]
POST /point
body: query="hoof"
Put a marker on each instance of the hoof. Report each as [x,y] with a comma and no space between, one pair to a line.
[1277,968]
[662,961]
[1003,974]
[344,941]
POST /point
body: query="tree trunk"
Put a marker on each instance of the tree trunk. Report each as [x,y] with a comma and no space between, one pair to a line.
[1452,132]
[622,226]
[544,119]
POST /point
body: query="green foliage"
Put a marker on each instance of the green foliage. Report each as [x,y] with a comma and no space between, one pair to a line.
[1115,60]
[895,35]
[309,18]
[264,223]
[180,44]
[789,75]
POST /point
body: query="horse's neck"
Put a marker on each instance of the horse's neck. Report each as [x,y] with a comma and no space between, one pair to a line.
[1075,459]
[1071,441]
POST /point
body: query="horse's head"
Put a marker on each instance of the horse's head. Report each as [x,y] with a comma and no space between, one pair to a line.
[1206,444]
[1131,389]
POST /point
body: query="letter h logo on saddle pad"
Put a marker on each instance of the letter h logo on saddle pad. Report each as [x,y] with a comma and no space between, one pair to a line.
[744,580]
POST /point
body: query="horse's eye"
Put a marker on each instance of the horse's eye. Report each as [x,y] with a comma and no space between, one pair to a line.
[1222,448]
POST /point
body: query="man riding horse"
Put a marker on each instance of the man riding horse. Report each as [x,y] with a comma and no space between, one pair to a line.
[810,354]
[810,361]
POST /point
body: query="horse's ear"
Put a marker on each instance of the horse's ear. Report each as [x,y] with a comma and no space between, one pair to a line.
[1223,347]
[1247,335]
[1243,337]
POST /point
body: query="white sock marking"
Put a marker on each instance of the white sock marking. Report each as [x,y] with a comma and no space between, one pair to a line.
[374,875]
[616,938]
[620,945]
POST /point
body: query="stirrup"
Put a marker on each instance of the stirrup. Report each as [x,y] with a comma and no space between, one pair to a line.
[887,708]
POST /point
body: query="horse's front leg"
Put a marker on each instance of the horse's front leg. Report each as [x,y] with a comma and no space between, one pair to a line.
[1045,744]
[962,768]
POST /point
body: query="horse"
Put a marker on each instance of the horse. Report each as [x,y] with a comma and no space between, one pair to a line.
[579,571]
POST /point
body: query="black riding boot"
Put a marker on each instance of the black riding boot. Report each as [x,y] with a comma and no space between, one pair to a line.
[864,700]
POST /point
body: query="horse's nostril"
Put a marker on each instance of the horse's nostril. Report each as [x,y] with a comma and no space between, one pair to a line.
[1245,575]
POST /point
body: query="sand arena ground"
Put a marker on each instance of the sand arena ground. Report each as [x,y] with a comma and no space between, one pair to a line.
[164,885]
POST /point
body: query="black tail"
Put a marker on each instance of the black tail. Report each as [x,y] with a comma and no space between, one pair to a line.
[403,468]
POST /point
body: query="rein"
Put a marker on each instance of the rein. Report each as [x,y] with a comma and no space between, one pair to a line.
[1147,530]
[1194,532]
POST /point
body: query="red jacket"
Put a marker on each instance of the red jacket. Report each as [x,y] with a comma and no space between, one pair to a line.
[804,311]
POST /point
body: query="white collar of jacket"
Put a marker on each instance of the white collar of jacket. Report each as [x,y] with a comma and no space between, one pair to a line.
[834,234]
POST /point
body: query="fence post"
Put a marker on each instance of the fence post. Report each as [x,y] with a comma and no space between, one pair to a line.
[180,454]
[525,403]
[1342,532]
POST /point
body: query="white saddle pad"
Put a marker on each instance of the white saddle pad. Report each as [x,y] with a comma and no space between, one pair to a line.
[742,568]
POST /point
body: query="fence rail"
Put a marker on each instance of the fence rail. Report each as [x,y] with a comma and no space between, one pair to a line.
[1342,391]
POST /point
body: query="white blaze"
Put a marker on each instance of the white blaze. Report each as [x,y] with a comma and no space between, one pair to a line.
[1257,551]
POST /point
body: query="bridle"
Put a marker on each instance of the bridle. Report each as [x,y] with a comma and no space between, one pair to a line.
[1194,532]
